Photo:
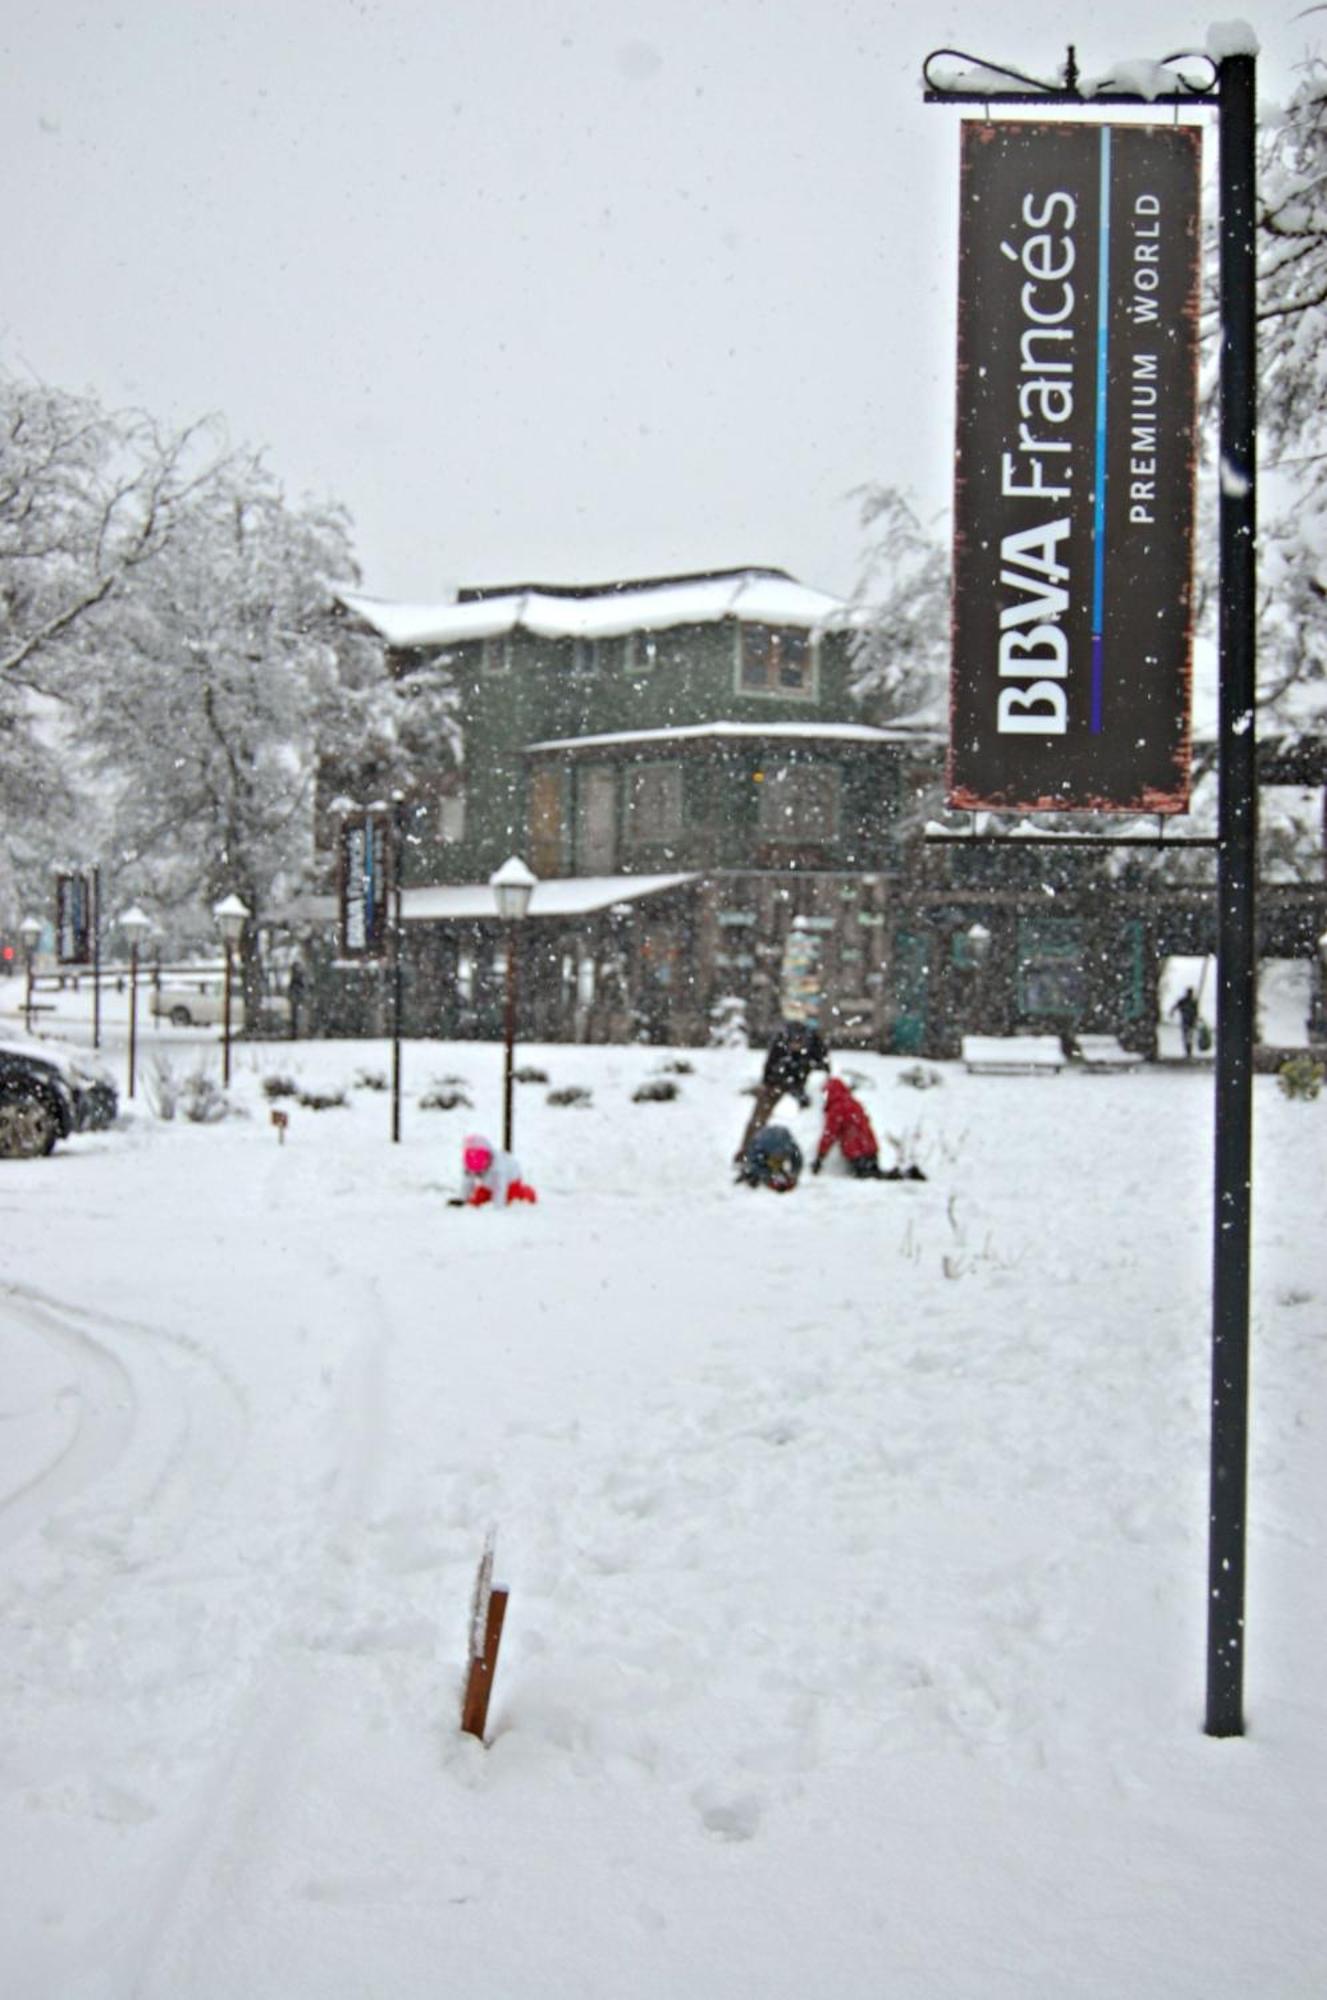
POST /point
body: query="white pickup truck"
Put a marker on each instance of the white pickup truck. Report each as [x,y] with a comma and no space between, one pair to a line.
[200,1003]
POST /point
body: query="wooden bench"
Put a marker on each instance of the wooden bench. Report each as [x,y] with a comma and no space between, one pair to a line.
[1013,1055]
[1105,1052]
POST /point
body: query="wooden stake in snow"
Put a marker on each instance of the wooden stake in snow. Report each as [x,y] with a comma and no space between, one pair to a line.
[486,1616]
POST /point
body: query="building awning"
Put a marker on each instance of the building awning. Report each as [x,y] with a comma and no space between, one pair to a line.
[576,896]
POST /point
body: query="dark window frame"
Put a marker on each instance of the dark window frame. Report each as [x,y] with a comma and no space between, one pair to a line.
[772,823]
[668,771]
[778,662]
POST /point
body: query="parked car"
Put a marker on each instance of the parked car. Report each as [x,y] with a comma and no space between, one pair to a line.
[201,1004]
[47,1092]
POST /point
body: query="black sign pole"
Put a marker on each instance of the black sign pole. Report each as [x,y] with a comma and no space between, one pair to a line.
[1235,96]
[398,940]
[96,958]
[1236,918]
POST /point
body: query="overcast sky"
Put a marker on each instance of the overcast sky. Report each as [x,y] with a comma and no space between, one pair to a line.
[554,289]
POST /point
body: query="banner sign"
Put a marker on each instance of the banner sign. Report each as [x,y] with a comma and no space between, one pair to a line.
[365,873]
[73,919]
[1076,445]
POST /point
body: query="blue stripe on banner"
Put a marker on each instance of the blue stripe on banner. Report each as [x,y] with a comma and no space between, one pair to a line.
[1099,483]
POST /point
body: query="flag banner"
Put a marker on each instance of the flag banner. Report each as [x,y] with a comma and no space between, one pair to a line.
[1076,446]
[73,919]
[365,881]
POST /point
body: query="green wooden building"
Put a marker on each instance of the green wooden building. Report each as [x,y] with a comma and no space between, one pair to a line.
[684,766]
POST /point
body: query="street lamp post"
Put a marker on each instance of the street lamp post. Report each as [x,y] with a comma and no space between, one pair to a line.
[979,950]
[512,886]
[135,925]
[29,931]
[231,915]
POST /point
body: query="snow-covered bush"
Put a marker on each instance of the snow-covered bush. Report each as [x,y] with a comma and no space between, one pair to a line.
[728,1023]
[202,1100]
[569,1094]
[370,1079]
[322,1100]
[1300,1077]
[444,1097]
[161,1087]
[655,1090]
[920,1077]
[529,1074]
[280,1086]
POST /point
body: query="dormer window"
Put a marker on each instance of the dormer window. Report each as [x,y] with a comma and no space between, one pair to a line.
[497,653]
[777,662]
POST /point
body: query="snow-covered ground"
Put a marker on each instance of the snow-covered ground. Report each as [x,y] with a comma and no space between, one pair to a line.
[856,1543]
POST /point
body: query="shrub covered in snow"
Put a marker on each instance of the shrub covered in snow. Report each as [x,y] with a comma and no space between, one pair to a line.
[728,1024]
[655,1090]
[445,1097]
[1300,1077]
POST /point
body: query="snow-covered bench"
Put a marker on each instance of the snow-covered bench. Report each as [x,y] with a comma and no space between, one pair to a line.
[1105,1052]
[1013,1055]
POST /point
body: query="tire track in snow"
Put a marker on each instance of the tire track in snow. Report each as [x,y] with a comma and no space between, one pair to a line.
[207,1894]
[151,1407]
[100,1398]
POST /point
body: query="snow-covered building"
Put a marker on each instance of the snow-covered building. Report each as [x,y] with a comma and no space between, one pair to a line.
[684,765]
[681,762]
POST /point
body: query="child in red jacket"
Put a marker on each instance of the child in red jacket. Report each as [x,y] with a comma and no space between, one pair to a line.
[848,1127]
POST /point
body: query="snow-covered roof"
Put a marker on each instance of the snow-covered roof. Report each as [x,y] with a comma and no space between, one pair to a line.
[839,732]
[576,896]
[761,597]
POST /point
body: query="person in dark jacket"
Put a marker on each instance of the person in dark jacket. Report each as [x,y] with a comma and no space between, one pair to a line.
[1187,1009]
[796,1050]
[772,1160]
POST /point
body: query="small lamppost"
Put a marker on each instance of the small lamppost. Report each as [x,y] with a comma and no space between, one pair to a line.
[1322,991]
[231,915]
[512,886]
[29,930]
[979,950]
[135,925]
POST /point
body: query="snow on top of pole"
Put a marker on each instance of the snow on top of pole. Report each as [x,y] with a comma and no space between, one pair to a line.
[1231,38]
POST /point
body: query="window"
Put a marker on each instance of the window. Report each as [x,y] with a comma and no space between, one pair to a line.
[1050,966]
[771,662]
[640,652]
[451,817]
[654,803]
[584,658]
[799,802]
[596,819]
[497,653]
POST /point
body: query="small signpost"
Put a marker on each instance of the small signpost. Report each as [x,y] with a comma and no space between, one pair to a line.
[281,1119]
[486,1616]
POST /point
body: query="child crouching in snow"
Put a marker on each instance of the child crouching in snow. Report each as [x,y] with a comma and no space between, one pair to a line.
[848,1127]
[490,1176]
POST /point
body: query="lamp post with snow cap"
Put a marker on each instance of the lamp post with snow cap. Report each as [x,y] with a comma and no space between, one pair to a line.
[977,940]
[135,924]
[231,915]
[29,930]
[512,886]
